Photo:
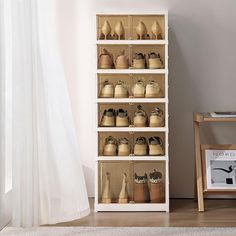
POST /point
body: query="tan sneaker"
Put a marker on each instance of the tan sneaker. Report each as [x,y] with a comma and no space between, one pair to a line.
[153,90]
[140,117]
[154,61]
[123,147]
[108,118]
[155,146]
[140,147]
[107,90]
[110,147]
[121,90]
[122,61]
[139,61]
[156,118]
[122,118]
[138,89]
[105,60]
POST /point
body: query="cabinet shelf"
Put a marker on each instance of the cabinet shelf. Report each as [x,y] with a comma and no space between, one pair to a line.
[110,171]
[132,100]
[132,158]
[132,42]
[132,71]
[132,207]
[132,129]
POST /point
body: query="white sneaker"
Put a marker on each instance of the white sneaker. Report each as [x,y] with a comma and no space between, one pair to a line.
[121,90]
[108,90]
[153,90]
[139,89]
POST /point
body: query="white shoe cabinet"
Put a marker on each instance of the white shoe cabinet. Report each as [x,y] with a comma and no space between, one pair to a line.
[117,165]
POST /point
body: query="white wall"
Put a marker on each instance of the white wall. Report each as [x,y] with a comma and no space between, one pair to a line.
[202,72]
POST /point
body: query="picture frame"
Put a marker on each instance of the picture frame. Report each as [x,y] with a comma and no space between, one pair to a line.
[219,168]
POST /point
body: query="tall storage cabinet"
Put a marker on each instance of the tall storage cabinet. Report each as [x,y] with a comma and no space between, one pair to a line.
[125,182]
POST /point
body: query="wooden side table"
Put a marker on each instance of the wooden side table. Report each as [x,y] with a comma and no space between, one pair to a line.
[199,118]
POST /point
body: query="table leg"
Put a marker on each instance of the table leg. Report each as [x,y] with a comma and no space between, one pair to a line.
[198,167]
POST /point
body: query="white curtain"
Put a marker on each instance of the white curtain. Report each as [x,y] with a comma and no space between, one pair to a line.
[48,181]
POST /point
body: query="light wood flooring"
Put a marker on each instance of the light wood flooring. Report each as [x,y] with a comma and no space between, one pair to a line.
[183,213]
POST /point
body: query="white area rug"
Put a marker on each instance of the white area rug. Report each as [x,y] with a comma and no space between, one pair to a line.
[118,231]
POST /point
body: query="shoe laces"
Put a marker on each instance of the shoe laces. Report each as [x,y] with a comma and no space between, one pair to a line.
[141,140]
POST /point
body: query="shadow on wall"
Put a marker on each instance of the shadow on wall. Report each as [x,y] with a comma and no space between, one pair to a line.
[195,69]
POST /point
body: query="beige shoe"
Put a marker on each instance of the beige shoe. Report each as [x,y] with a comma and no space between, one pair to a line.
[156,118]
[121,90]
[153,90]
[122,119]
[140,147]
[139,89]
[123,147]
[139,61]
[110,147]
[155,146]
[108,118]
[106,194]
[108,90]
[154,61]
[124,196]
[140,117]
[105,60]
[122,61]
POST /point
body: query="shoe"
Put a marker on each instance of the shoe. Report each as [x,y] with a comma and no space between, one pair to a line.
[108,118]
[105,60]
[122,61]
[156,30]
[108,90]
[154,61]
[122,119]
[156,118]
[157,187]
[141,30]
[141,191]
[155,146]
[119,30]
[123,147]
[110,147]
[106,29]
[124,196]
[138,89]
[121,90]
[140,147]
[140,117]
[139,61]
[153,90]
[106,194]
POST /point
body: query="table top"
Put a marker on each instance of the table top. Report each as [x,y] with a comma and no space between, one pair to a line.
[206,117]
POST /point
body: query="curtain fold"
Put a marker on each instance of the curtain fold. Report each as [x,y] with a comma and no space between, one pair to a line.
[48,181]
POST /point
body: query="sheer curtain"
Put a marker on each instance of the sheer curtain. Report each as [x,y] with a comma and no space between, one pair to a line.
[48,181]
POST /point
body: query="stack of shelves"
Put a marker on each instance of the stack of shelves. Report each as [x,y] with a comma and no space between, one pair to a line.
[130,164]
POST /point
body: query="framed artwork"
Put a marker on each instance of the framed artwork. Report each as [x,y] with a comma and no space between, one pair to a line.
[219,167]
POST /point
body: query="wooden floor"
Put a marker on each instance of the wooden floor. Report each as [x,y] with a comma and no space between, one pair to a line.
[183,214]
